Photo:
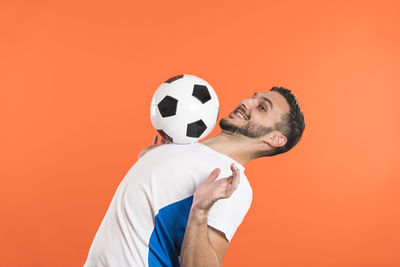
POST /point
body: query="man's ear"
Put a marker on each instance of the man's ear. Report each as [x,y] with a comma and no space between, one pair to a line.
[275,139]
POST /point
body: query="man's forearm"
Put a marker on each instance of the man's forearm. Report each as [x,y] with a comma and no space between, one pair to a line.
[197,250]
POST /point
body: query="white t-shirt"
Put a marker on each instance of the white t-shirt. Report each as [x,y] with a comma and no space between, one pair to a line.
[146,221]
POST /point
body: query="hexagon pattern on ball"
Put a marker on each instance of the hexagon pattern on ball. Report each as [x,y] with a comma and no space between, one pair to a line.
[201,93]
[165,136]
[184,109]
[195,129]
[167,106]
[170,80]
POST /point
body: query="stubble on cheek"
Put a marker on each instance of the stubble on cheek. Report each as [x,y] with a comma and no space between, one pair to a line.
[250,129]
[227,126]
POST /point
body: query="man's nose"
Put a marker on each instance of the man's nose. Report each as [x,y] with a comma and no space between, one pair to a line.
[246,103]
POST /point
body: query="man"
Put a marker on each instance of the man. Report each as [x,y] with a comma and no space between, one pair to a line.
[170,211]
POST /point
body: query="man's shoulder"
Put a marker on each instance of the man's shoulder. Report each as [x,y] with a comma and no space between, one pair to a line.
[186,154]
[175,149]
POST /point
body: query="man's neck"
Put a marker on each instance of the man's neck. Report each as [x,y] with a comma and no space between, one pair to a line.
[236,147]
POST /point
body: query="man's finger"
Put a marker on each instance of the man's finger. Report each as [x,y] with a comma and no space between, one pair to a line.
[235,174]
[213,175]
[234,168]
[233,185]
[236,181]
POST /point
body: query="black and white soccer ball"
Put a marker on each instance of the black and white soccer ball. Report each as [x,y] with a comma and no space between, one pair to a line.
[184,109]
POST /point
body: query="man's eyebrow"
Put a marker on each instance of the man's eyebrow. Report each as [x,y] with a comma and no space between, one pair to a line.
[266,99]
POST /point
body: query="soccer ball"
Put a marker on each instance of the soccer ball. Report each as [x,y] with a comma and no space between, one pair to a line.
[184,109]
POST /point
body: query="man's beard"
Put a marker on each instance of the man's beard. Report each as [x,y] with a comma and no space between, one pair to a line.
[250,129]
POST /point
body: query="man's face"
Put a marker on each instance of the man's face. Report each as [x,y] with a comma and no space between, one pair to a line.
[256,116]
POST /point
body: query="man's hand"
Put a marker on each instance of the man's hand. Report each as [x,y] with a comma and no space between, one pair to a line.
[150,147]
[210,190]
[203,245]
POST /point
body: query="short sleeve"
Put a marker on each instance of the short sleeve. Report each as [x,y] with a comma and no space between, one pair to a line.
[227,214]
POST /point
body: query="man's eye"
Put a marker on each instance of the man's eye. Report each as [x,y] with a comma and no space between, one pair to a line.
[262,107]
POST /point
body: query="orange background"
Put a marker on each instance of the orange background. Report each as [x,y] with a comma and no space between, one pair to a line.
[76,81]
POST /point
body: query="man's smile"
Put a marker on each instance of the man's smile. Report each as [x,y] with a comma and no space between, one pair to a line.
[239,113]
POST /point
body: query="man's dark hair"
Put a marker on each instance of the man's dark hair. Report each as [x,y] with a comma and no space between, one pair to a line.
[292,124]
